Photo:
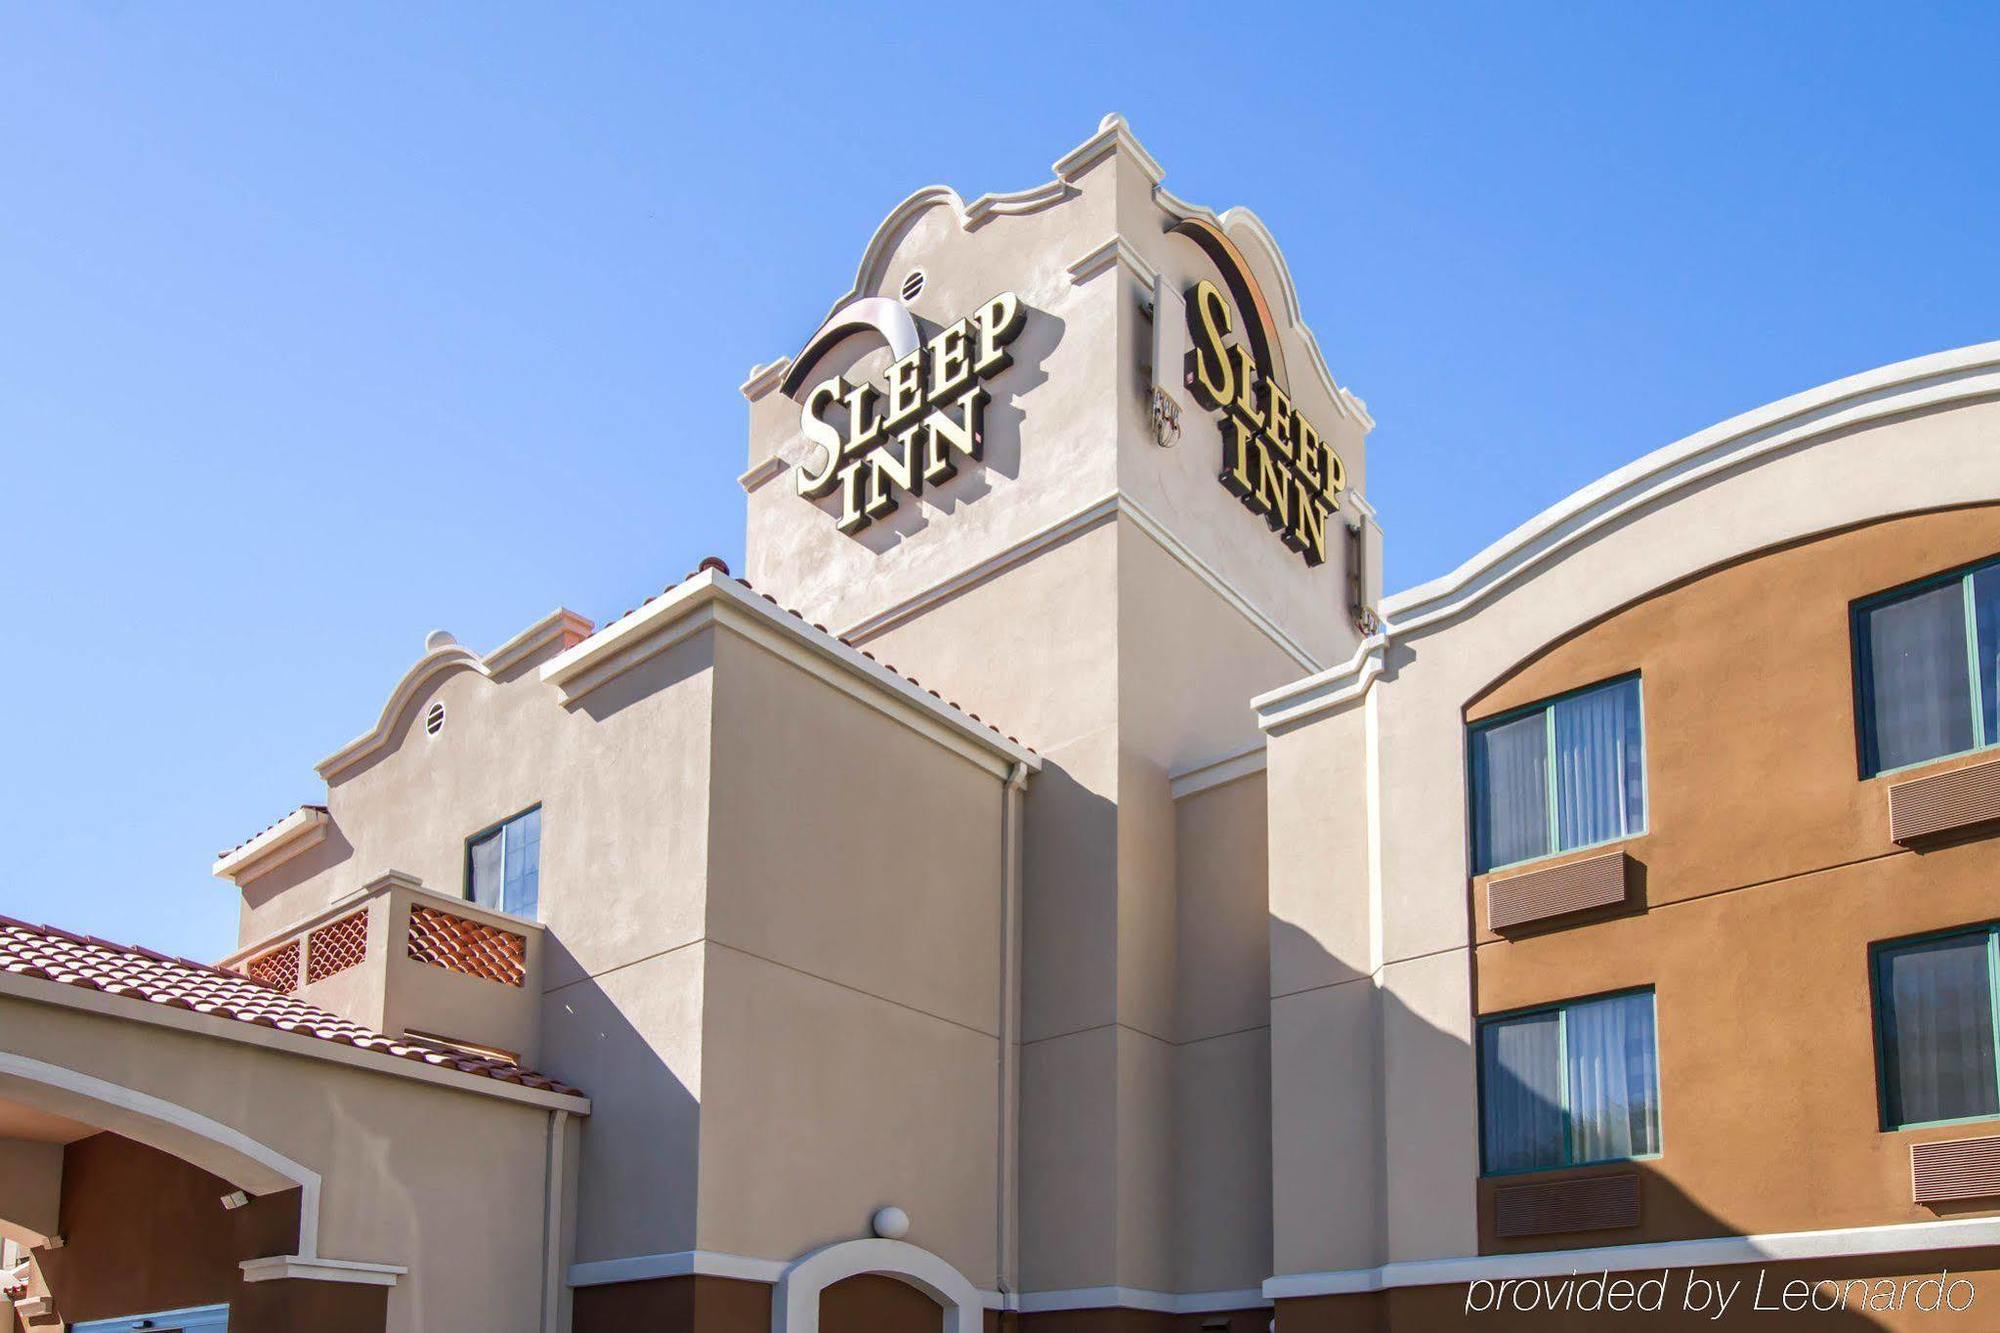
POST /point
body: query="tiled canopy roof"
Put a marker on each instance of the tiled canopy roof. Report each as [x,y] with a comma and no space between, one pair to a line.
[146,977]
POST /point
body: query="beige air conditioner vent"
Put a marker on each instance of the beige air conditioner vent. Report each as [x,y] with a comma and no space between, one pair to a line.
[1955,1169]
[1595,881]
[1943,803]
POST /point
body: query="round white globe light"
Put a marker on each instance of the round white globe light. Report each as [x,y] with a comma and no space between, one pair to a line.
[890,1223]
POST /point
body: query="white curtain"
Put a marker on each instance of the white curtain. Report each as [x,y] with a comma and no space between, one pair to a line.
[1920,702]
[1510,812]
[1521,1093]
[1600,769]
[1937,1030]
[1986,610]
[1614,1078]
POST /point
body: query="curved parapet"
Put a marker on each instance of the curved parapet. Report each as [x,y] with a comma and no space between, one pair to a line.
[1873,484]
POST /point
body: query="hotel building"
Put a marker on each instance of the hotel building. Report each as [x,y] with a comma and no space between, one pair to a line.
[1051,887]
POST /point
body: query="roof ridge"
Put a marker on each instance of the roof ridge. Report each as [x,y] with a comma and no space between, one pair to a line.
[719,566]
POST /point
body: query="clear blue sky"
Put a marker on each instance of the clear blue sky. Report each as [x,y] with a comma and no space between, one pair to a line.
[325,326]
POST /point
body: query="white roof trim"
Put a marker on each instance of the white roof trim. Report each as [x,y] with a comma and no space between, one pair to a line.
[711,597]
[1214,772]
[447,657]
[543,632]
[1772,1247]
[277,1267]
[1924,383]
[40,991]
[1113,136]
[301,830]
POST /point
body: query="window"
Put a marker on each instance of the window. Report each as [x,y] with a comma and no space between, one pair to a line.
[503,865]
[1569,1085]
[1927,667]
[1935,1022]
[1560,775]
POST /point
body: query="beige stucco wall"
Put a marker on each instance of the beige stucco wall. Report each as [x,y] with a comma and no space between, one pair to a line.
[853,952]
[412,1173]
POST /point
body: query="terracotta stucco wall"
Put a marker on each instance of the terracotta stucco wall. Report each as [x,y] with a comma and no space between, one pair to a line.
[1766,872]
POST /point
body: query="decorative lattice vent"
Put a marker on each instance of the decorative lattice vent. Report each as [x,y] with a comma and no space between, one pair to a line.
[278,969]
[913,286]
[337,946]
[434,719]
[469,947]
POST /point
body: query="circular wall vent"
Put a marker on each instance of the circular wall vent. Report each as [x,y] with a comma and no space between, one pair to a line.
[913,286]
[434,719]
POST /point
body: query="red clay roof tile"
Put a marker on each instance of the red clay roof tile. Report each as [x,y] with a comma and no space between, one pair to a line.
[50,953]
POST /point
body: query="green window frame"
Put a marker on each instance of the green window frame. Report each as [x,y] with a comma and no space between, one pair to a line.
[1632,807]
[1982,695]
[1879,956]
[1572,1128]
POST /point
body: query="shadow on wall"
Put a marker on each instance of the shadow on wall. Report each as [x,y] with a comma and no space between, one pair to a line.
[1352,1031]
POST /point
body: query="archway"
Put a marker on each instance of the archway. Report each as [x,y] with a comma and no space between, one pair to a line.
[795,1306]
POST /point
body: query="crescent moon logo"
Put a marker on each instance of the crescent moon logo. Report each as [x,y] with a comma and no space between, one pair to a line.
[890,319]
[1261,329]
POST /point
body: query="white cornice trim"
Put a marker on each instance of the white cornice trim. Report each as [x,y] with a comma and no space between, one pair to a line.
[1219,585]
[1138,1298]
[762,379]
[298,832]
[1113,136]
[713,1263]
[1323,691]
[1925,383]
[1214,772]
[711,597]
[762,473]
[446,657]
[679,1263]
[274,1268]
[1774,1247]
[1082,521]
[1062,530]
[1114,251]
[557,624]
[39,991]
[1922,384]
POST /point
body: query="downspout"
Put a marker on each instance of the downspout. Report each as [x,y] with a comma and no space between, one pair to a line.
[1008,1240]
[552,1224]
